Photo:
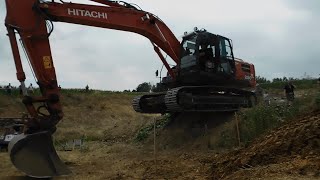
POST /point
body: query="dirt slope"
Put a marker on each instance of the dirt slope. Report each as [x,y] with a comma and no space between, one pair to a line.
[110,124]
[295,147]
[186,148]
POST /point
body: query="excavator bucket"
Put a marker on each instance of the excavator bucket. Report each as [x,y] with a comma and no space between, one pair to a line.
[34,154]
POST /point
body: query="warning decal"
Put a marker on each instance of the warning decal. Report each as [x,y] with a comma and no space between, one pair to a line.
[47,63]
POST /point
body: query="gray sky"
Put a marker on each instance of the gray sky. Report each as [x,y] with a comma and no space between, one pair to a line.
[281,37]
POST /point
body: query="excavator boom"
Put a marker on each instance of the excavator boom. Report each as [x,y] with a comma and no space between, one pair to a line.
[33,21]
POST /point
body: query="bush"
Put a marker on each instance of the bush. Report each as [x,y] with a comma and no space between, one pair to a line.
[146,131]
[300,84]
[144,87]
[258,120]
[317,101]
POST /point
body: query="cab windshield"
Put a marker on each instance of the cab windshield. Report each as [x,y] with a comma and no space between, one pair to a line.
[188,55]
[189,46]
[225,48]
[226,56]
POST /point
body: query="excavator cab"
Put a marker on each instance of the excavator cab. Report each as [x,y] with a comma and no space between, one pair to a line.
[205,58]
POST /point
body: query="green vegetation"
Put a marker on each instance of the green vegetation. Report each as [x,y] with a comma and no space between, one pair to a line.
[102,115]
[258,120]
[144,87]
[74,91]
[300,84]
[146,131]
[14,92]
[317,100]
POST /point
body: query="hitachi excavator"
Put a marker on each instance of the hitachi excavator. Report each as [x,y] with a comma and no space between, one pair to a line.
[206,76]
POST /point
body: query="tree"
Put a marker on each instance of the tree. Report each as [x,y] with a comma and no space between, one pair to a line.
[261,79]
[276,80]
[144,87]
[158,88]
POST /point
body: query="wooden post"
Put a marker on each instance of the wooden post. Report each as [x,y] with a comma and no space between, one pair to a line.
[237,127]
[154,143]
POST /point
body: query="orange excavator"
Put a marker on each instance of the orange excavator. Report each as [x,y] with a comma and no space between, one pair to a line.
[206,76]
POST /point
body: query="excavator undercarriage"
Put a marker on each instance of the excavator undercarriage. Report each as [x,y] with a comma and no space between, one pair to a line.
[196,99]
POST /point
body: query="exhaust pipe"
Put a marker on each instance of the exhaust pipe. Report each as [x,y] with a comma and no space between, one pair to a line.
[34,154]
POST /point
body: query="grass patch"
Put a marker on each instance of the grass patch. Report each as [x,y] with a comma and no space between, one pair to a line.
[300,84]
[260,119]
[144,133]
[317,100]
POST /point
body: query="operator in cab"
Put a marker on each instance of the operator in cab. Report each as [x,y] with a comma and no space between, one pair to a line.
[206,59]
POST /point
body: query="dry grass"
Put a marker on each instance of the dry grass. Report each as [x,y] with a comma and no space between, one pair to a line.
[95,115]
[186,148]
[99,116]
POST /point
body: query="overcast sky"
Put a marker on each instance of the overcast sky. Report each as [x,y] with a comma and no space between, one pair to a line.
[281,37]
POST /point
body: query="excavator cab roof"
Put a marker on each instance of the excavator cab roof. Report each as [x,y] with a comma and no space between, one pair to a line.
[204,38]
[201,32]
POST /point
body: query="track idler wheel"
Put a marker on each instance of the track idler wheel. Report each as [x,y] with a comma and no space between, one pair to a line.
[34,154]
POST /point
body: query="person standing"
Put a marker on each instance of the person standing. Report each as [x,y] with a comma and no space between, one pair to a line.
[289,92]
[9,89]
[30,89]
[87,88]
[20,91]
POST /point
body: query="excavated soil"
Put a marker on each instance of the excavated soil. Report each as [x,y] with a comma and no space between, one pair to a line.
[292,149]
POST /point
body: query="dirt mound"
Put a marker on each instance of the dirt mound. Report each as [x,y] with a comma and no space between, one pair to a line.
[298,140]
[191,130]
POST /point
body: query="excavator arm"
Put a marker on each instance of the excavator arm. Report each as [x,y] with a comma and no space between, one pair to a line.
[34,25]
[32,20]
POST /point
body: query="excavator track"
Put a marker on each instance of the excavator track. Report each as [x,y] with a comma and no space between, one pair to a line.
[136,105]
[171,100]
[194,99]
[149,103]
[206,99]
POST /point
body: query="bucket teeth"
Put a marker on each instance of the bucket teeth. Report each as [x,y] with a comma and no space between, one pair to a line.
[34,154]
